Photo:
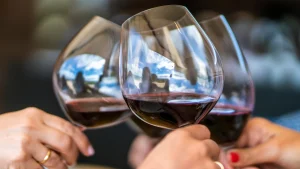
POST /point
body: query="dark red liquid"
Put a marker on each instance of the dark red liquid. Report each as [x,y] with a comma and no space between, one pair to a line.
[226,123]
[95,112]
[170,110]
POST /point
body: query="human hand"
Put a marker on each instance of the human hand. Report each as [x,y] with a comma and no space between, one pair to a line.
[267,146]
[27,135]
[140,148]
[188,147]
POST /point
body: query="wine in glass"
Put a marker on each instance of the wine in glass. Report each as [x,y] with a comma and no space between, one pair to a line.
[231,113]
[165,80]
[141,127]
[85,77]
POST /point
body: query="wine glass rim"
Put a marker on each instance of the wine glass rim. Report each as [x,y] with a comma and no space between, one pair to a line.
[99,19]
[139,13]
[220,16]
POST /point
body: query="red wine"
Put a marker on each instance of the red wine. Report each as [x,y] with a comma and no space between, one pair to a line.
[170,110]
[95,112]
[151,131]
[226,123]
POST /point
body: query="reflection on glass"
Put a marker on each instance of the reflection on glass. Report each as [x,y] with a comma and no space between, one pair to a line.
[231,113]
[170,74]
[86,79]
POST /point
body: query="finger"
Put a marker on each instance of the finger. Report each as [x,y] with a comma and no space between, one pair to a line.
[255,132]
[263,153]
[32,164]
[80,139]
[55,162]
[39,153]
[212,150]
[139,150]
[60,142]
[223,160]
[251,138]
[243,140]
[199,132]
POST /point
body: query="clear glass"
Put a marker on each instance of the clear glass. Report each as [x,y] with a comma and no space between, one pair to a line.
[228,118]
[86,77]
[170,74]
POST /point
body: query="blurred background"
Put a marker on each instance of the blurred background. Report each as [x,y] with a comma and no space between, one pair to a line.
[34,32]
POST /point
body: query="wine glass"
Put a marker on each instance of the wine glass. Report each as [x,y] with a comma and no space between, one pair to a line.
[170,73]
[141,127]
[231,113]
[85,77]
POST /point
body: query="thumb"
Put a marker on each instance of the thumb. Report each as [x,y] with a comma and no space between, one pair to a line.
[260,154]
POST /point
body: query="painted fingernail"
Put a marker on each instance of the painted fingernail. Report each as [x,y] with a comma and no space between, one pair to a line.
[234,157]
[91,151]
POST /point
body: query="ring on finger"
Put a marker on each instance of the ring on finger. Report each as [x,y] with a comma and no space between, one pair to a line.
[220,165]
[46,158]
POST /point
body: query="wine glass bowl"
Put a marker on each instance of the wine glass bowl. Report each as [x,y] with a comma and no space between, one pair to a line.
[231,113]
[141,127]
[86,77]
[170,74]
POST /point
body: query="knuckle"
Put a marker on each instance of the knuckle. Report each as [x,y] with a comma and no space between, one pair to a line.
[25,140]
[77,131]
[68,128]
[204,130]
[30,115]
[28,121]
[198,128]
[28,126]
[178,138]
[32,110]
[65,143]
[179,134]
[257,125]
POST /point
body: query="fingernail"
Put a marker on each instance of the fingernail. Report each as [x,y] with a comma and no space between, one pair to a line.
[234,157]
[91,151]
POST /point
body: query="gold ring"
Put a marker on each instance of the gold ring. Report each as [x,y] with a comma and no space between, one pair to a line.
[46,158]
[220,165]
